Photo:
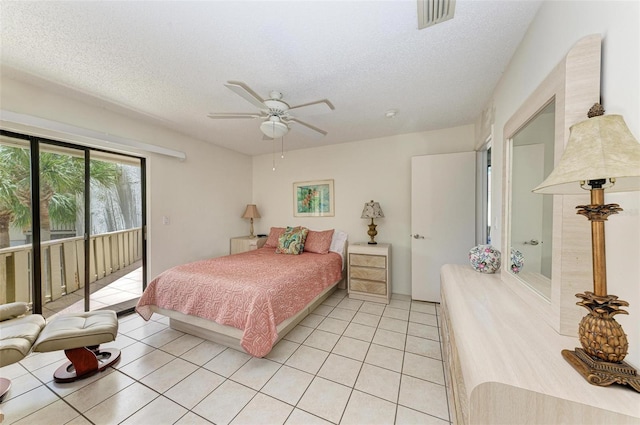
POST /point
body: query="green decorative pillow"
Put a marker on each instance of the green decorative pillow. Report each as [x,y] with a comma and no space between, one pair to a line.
[292,241]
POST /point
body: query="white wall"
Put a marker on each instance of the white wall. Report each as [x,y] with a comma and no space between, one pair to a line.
[557,26]
[378,169]
[203,196]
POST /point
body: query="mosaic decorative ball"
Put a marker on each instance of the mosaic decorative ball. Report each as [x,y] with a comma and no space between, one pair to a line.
[517,261]
[484,259]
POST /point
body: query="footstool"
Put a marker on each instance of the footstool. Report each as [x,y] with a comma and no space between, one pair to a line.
[80,335]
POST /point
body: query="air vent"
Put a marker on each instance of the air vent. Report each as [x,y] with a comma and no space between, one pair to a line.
[431,12]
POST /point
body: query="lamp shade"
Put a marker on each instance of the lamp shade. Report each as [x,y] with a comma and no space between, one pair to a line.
[251,212]
[372,210]
[601,147]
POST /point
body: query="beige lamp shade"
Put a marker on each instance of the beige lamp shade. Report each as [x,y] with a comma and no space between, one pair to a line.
[251,212]
[372,210]
[601,147]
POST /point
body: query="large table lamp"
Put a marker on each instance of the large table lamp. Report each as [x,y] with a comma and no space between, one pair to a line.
[601,154]
[251,212]
[372,210]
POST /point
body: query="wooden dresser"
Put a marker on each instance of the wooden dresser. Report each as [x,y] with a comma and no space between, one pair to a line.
[503,361]
[369,272]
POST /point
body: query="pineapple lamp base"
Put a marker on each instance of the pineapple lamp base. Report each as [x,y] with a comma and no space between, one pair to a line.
[598,372]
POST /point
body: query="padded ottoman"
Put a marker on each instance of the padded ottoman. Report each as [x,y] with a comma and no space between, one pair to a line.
[79,335]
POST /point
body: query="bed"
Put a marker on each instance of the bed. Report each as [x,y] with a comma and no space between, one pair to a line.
[247,301]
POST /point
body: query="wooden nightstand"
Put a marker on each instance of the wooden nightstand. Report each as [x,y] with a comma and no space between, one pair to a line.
[245,243]
[369,272]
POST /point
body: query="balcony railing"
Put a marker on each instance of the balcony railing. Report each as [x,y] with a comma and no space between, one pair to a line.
[63,264]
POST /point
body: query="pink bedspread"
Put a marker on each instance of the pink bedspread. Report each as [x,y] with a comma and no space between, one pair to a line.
[253,291]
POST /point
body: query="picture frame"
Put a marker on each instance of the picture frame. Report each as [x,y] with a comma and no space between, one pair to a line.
[313,198]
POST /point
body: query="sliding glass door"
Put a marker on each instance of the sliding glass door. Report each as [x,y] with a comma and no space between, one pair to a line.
[116,221]
[16,251]
[78,245]
[61,180]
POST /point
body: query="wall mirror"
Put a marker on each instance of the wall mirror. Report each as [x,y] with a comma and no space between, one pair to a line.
[545,228]
[532,159]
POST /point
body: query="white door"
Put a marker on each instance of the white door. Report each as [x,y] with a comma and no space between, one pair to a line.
[526,206]
[443,205]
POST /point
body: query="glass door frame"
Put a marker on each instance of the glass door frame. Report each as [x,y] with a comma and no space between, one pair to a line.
[36,255]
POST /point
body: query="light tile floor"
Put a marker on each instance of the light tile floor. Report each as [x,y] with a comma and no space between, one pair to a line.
[349,362]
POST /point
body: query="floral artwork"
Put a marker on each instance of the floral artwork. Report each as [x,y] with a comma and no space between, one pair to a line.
[313,199]
[484,259]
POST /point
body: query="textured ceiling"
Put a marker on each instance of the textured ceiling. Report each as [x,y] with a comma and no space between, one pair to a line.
[168,61]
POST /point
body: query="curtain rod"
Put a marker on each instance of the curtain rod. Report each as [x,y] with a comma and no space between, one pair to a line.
[7,118]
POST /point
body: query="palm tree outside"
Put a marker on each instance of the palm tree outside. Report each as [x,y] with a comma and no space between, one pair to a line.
[9,204]
[61,188]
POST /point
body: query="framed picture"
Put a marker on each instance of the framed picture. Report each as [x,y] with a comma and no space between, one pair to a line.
[313,199]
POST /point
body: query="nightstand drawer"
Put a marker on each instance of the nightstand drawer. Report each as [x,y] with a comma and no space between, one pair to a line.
[368,260]
[368,286]
[245,243]
[368,273]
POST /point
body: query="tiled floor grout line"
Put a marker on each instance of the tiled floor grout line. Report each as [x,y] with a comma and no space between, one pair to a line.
[44,384]
[365,356]
[444,373]
[71,406]
[361,365]
[229,378]
[315,375]
[281,363]
[225,378]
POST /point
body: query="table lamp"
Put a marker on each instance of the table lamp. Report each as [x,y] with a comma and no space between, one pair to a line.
[372,210]
[601,154]
[251,212]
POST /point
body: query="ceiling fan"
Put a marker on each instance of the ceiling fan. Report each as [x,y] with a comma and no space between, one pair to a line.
[275,112]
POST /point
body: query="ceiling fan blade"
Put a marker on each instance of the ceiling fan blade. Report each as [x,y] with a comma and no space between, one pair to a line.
[313,108]
[233,115]
[244,91]
[308,129]
[265,137]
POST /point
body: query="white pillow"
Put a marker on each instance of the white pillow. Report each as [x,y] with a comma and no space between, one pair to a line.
[338,243]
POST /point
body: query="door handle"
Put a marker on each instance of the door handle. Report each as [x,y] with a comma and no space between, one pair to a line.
[532,242]
[417,236]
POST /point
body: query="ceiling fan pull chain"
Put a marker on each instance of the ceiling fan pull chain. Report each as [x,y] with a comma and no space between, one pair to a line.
[273,154]
[282,147]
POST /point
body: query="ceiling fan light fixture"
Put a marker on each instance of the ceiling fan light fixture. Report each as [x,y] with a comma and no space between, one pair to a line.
[274,129]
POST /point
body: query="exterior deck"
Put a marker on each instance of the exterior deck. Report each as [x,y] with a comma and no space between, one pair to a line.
[115,272]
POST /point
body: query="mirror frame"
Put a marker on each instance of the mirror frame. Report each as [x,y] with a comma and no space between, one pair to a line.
[574,84]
